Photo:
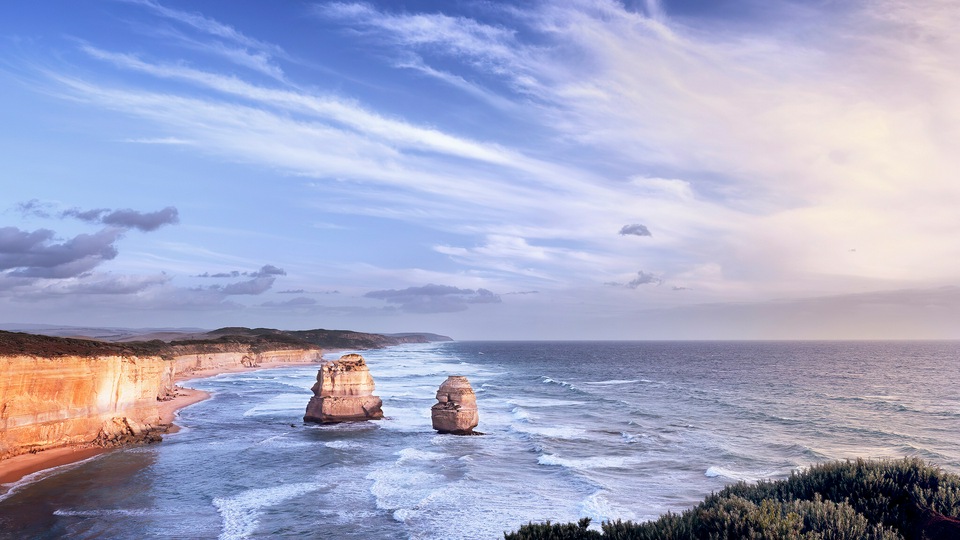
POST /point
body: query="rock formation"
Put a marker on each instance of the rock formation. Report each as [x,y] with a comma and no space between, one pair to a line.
[63,392]
[343,393]
[456,411]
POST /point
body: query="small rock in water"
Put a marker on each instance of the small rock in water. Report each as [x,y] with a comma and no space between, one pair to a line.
[456,410]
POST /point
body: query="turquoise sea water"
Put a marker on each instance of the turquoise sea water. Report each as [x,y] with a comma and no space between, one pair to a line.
[607,430]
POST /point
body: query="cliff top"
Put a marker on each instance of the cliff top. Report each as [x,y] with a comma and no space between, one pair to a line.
[19,343]
[221,340]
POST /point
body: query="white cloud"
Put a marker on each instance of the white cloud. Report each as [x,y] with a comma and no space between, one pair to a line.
[208,26]
[159,140]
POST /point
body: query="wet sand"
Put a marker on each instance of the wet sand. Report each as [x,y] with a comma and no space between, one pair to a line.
[15,468]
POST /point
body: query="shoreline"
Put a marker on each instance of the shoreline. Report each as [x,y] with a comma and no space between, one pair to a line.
[16,468]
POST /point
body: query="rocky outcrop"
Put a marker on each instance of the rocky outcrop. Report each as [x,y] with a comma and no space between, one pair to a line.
[344,393]
[456,410]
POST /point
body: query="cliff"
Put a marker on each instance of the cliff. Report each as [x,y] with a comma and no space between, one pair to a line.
[332,339]
[58,391]
[46,402]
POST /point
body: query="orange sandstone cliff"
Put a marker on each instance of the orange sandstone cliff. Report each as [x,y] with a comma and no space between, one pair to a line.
[70,400]
[57,392]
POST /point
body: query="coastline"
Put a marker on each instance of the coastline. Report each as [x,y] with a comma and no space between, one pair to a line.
[15,469]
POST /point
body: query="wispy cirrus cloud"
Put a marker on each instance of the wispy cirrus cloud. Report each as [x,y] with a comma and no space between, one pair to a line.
[159,140]
[245,51]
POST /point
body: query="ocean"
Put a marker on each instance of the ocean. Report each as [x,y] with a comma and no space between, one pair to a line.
[606,430]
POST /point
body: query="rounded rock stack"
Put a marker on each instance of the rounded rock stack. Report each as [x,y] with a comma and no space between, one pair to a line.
[344,393]
[456,410]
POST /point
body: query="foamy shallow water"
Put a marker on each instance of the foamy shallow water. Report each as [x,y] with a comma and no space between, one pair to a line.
[600,430]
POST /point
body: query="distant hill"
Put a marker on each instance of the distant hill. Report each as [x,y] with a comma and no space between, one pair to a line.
[167,342]
[429,337]
[335,339]
[101,333]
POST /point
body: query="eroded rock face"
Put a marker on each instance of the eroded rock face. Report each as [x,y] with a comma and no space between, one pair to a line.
[51,398]
[456,410]
[73,400]
[344,393]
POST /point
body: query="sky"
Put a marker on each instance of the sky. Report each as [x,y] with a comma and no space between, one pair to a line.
[587,169]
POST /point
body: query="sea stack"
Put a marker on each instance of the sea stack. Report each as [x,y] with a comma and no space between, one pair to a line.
[343,393]
[456,410]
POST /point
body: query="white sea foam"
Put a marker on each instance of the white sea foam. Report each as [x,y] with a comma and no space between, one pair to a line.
[287,405]
[241,513]
[282,441]
[536,402]
[406,419]
[520,414]
[561,432]
[612,382]
[344,426]
[548,380]
[403,514]
[104,512]
[409,454]
[594,462]
[397,487]
[343,445]
[598,508]
[745,476]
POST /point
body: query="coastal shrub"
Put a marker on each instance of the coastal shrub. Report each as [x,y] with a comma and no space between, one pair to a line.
[548,531]
[871,500]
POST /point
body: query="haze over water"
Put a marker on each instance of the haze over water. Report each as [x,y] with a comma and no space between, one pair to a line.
[608,430]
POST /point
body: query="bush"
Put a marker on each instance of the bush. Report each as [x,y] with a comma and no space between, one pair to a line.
[871,500]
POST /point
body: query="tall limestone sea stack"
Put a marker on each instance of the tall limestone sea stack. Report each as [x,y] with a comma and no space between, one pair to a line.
[343,393]
[456,410]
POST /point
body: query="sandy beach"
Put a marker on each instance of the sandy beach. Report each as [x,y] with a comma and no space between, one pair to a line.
[16,468]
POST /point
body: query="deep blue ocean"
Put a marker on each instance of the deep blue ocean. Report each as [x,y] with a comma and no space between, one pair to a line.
[607,430]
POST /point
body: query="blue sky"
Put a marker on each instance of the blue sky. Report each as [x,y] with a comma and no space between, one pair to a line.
[589,169]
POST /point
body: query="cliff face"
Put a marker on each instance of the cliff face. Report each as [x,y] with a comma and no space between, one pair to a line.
[189,362]
[51,402]
[57,392]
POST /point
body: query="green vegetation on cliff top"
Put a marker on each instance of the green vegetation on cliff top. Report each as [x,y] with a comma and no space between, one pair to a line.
[870,500]
[221,340]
